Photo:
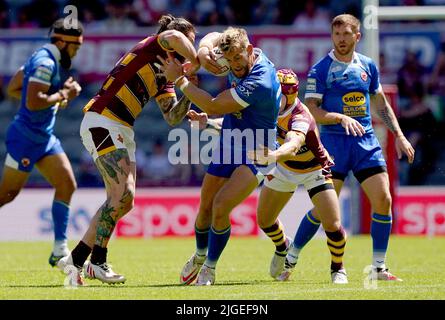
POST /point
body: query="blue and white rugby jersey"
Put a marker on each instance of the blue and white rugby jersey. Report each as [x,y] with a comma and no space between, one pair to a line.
[344,88]
[43,67]
[259,92]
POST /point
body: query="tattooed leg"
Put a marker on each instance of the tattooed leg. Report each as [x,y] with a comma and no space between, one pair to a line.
[105,224]
[117,172]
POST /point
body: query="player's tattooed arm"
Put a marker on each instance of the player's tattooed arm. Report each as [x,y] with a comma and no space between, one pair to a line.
[385,112]
[164,43]
[174,110]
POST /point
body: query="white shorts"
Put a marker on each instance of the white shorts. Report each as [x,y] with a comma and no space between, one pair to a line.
[101,135]
[282,180]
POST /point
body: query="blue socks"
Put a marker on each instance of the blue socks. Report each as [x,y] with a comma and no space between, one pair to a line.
[60,212]
[380,231]
[217,242]
[306,231]
[202,241]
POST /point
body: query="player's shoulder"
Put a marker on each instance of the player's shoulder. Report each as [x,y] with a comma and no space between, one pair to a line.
[321,65]
[43,57]
[302,111]
[262,75]
[365,60]
[262,64]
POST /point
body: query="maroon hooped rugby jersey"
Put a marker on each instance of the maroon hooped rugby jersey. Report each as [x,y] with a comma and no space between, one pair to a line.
[132,82]
[312,155]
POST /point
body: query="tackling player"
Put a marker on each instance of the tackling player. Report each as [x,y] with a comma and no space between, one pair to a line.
[30,139]
[340,90]
[250,106]
[301,159]
[107,133]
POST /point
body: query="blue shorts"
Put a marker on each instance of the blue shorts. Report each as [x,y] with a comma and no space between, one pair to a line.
[26,152]
[356,154]
[226,170]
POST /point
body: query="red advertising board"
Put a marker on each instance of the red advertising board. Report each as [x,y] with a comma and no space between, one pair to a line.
[171,213]
[421,211]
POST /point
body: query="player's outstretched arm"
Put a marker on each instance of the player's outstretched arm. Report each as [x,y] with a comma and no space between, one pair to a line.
[174,110]
[205,54]
[203,120]
[264,156]
[351,125]
[14,89]
[223,103]
[177,41]
[385,112]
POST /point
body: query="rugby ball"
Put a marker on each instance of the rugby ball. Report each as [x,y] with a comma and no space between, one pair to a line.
[222,62]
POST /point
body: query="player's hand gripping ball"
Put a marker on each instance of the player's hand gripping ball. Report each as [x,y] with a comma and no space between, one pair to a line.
[222,62]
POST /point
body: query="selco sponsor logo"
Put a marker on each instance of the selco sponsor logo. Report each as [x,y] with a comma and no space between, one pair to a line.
[354,99]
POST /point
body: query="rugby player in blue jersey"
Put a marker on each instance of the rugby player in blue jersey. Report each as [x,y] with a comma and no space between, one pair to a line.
[341,89]
[30,140]
[250,106]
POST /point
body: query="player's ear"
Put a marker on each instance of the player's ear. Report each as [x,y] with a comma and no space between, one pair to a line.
[249,49]
[359,36]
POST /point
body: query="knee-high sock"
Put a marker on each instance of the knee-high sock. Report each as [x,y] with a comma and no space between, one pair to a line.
[380,231]
[217,242]
[60,212]
[306,230]
[336,244]
[276,233]
[202,240]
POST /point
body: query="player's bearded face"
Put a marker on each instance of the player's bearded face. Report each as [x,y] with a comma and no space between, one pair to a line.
[68,52]
[239,61]
[65,58]
[344,39]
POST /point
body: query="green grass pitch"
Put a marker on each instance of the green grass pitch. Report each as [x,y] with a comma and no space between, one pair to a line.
[152,269]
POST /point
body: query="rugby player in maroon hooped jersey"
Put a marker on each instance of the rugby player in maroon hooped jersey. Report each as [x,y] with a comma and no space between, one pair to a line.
[107,133]
[301,159]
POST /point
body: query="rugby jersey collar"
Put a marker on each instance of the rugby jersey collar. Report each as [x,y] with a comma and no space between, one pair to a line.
[355,58]
[290,109]
[258,52]
[54,51]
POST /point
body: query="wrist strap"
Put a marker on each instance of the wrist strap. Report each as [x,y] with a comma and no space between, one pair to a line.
[63,95]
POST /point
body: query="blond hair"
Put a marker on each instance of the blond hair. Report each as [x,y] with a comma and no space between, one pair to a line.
[346,19]
[233,38]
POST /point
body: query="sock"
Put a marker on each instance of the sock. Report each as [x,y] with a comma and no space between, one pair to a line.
[336,244]
[307,229]
[61,248]
[380,231]
[99,255]
[202,241]
[276,233]
[80,254]
[60,212]
[217,243]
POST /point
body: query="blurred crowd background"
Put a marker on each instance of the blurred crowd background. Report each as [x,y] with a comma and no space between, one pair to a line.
[421,89]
